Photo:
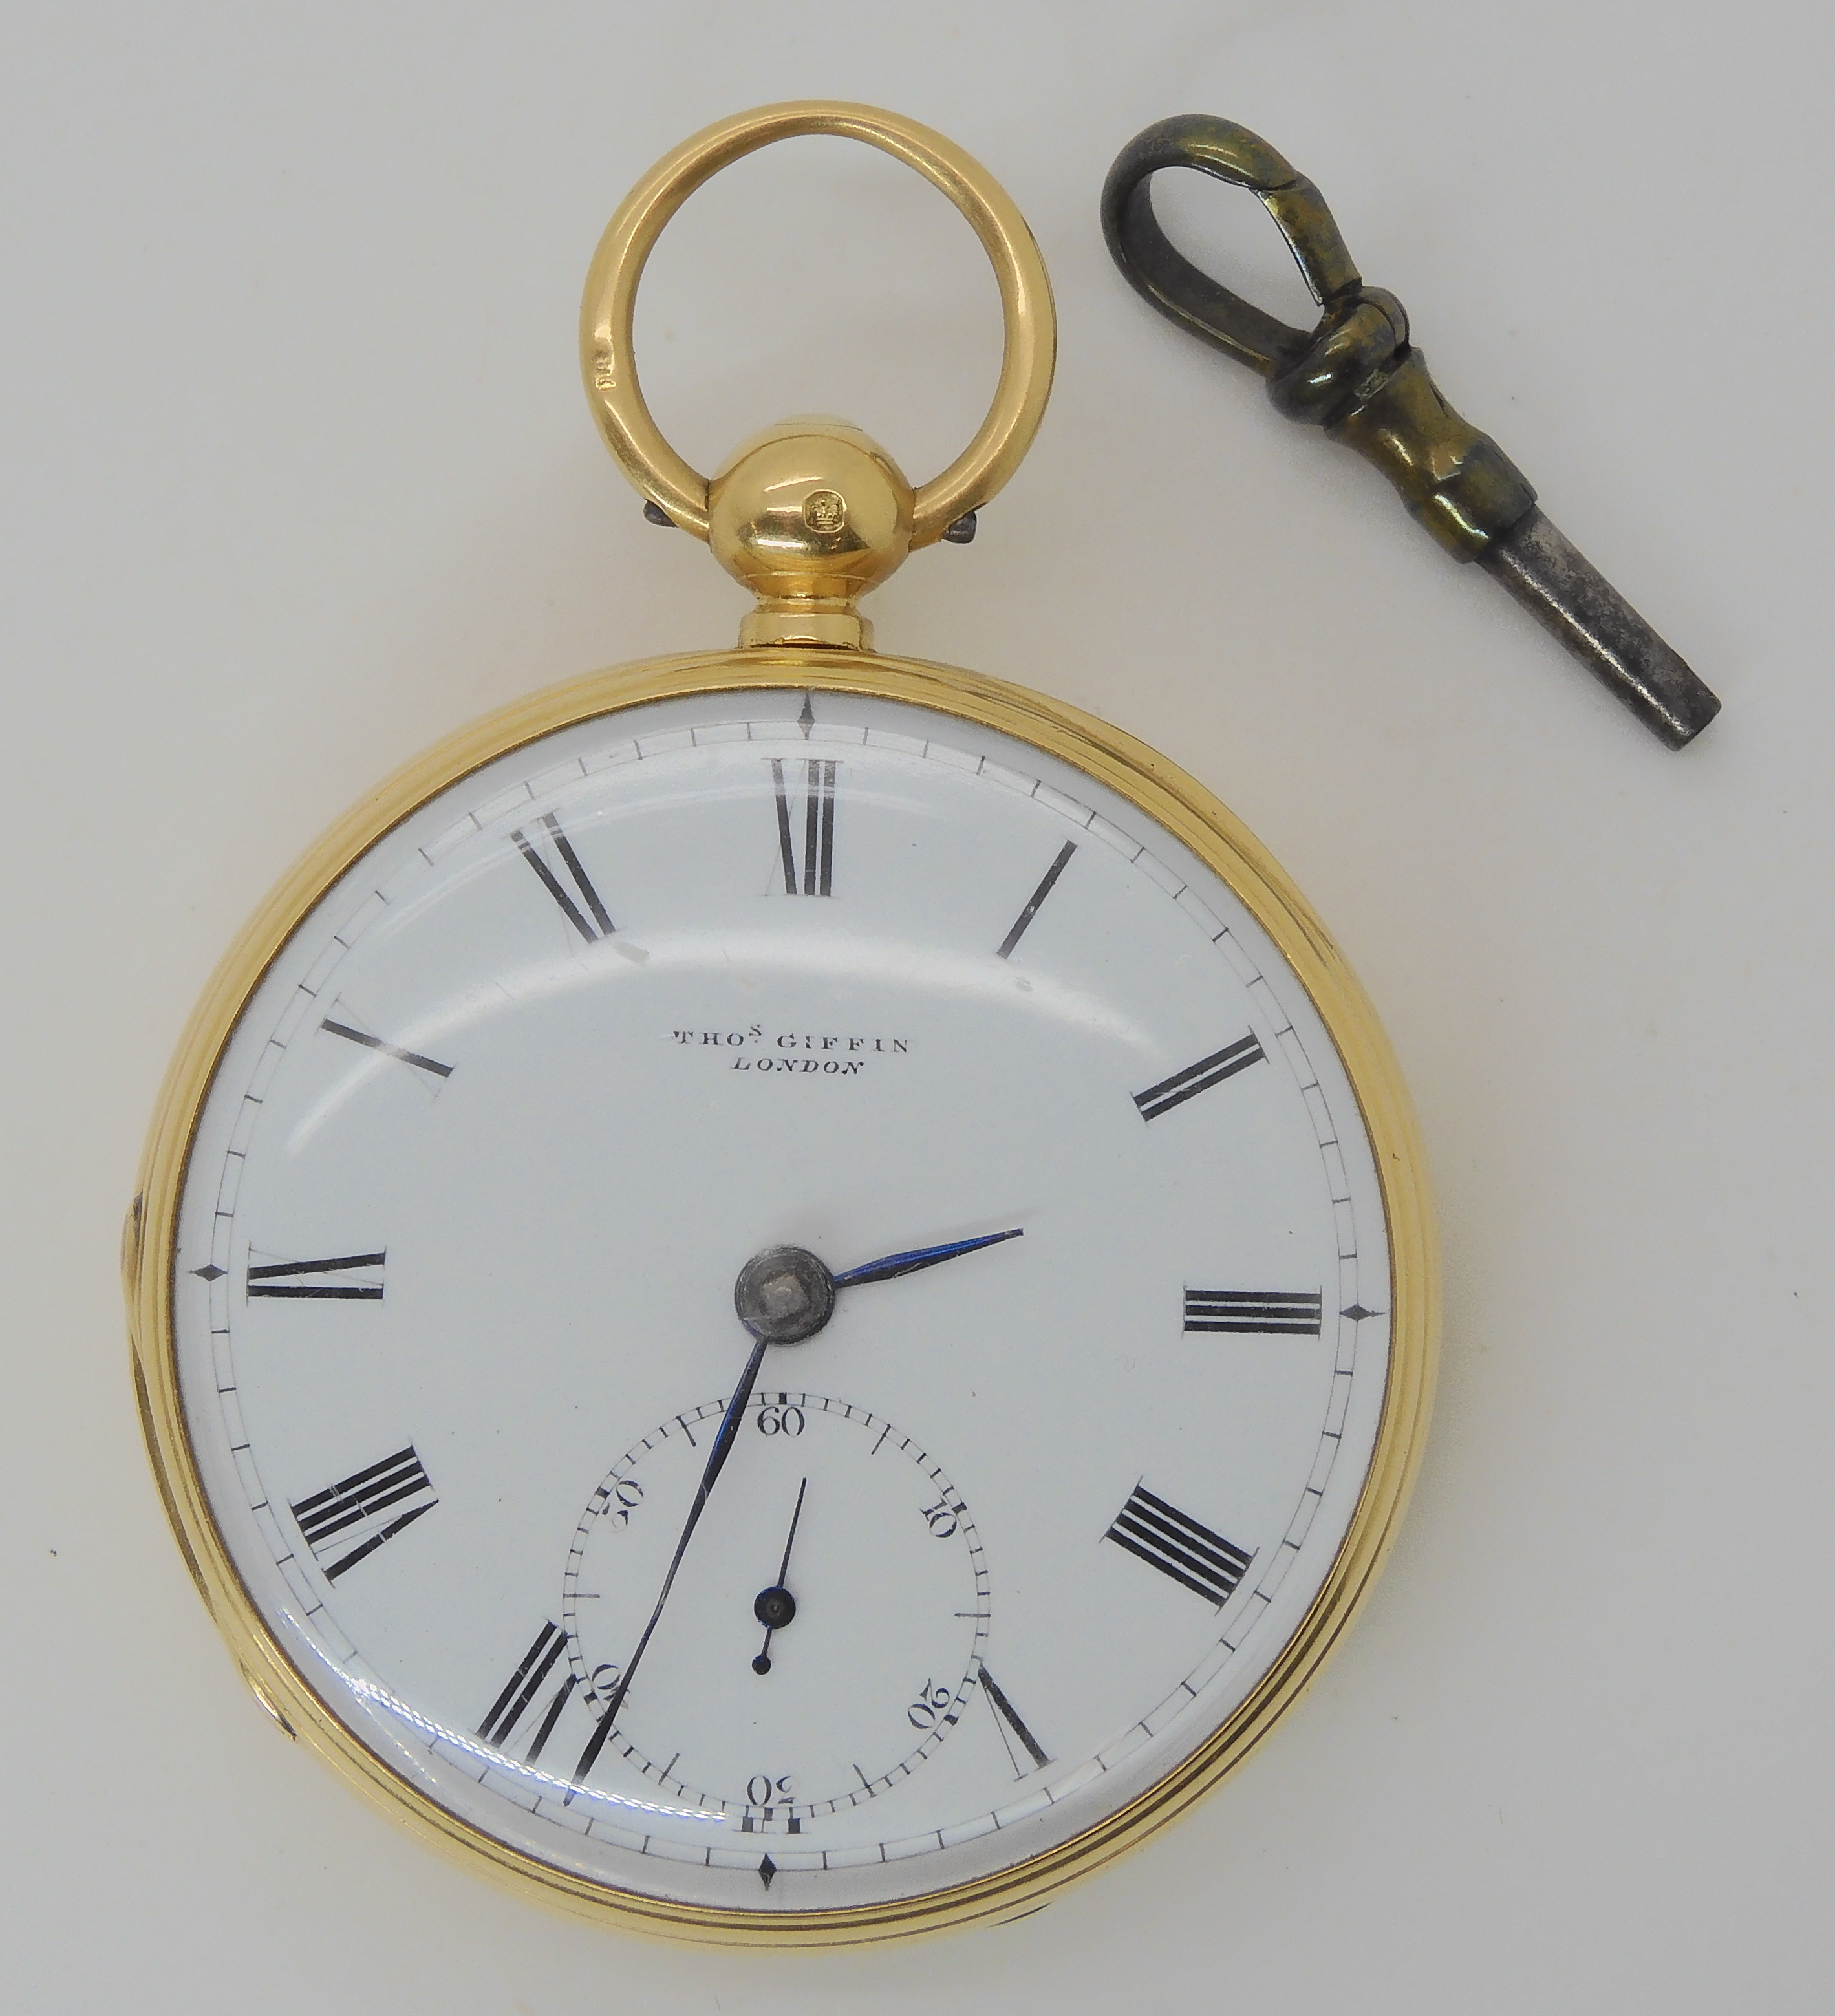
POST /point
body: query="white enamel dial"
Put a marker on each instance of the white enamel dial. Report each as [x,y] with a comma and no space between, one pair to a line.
[1049,1487]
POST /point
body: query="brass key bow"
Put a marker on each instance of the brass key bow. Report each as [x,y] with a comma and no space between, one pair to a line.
[1356,376]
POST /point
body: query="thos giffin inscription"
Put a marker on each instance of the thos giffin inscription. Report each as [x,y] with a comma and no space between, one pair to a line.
[792,1052]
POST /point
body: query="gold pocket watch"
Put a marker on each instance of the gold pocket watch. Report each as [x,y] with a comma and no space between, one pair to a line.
[786,1295]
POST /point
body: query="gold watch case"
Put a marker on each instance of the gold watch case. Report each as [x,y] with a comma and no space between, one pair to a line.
[809,515]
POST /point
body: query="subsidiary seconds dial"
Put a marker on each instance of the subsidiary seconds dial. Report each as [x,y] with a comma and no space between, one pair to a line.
[831,1608]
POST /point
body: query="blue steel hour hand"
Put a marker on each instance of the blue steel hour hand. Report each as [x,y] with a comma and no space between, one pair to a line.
[920,1257]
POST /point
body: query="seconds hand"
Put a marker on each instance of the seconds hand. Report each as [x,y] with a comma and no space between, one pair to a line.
[775,1605]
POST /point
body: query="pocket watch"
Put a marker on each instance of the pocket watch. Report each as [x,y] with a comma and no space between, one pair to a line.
[786,1295]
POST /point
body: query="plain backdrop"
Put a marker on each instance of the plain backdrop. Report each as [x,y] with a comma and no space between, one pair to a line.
[298,475]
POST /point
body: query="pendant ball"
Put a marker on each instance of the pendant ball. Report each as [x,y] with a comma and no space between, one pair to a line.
[809,515]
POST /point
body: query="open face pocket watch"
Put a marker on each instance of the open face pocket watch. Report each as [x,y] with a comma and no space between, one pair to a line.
[786,1295]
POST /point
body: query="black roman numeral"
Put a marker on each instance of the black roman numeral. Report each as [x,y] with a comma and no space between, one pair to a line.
[818,822]
[525,1683]
[279,1280]
[1265,1312]
[591,928]
[331,1519]
[369,1042]
[1174,1543]
[1006,1719]
[1037,897]
[1195,1078]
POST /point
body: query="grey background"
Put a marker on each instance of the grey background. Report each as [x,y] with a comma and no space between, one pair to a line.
[297,476]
